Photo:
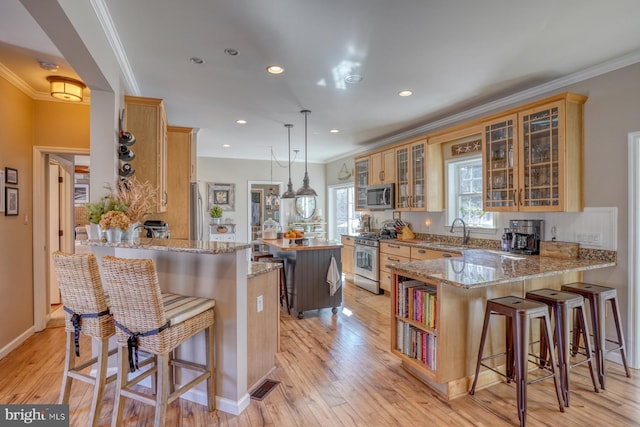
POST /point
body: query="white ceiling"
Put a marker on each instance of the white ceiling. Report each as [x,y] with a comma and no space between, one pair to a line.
[455,56]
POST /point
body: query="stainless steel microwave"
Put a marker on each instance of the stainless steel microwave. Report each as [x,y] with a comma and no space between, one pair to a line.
[380,197]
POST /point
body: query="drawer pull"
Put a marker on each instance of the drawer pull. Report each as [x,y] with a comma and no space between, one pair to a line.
[422,251]
[446,255]
[394,259]
[394,246]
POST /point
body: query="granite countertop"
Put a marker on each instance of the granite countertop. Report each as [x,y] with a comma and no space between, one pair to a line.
[258,268]
[177,245]
[314,244]
[480,267]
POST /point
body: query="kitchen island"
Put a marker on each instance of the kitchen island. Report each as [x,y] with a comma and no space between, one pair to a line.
[306,268]
[449,327]
[211,270]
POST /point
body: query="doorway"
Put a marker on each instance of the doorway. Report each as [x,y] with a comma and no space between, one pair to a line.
[263,203]
[42,158]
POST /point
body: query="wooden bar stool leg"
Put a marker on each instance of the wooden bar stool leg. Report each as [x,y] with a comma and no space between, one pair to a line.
[69,363]
[101,375]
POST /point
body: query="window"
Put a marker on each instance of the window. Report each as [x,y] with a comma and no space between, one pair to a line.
[343,219]
[464,193]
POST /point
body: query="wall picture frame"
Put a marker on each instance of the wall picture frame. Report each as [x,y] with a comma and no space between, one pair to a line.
[11,176]
[11,200]
[223,195]
[80,194]
[1,191]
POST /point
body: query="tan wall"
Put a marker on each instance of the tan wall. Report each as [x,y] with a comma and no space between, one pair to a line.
[16,248]
[61,124]
[23,124]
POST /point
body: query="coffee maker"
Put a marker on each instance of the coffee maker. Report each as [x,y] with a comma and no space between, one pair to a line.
[526,235]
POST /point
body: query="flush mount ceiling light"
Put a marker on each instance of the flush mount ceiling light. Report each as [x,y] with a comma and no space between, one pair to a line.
[66,88]
[196,60]
[334,131]
[305,190]
[241,121]
[289,194]
[405,93]
[231,52]
[275,69]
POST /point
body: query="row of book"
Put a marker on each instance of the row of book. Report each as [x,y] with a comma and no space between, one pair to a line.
[416,301]
[417,344]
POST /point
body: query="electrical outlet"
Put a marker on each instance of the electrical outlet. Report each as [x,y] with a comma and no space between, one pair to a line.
[590,238]
[259,303]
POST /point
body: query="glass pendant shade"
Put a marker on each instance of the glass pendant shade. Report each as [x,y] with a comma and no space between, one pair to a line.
[289,194]
[305,190]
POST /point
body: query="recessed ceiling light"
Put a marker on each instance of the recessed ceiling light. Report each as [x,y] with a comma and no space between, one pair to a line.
[226,145]
[275,69]
[231,52]
[241,121]
[405,93]
[196,60]
[353,79]
[334,131]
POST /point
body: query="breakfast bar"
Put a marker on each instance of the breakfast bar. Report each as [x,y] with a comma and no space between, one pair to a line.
[458,289]
[307,267]
[206,269]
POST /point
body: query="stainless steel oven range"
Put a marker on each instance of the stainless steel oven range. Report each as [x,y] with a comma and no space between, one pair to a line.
[365,264]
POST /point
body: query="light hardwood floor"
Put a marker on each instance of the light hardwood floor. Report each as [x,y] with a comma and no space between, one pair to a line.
[336,371]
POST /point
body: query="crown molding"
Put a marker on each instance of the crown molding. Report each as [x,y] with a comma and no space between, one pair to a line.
[15,80]
[102,12]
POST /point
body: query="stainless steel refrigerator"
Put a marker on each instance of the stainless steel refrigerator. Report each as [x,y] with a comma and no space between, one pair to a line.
[196,213]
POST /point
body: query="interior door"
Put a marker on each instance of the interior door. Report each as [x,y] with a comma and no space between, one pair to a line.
[54,229]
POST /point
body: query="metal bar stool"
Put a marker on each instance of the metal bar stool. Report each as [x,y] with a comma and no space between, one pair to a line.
[598,296]
[284,295]
[519,313]
[562,304]
[86,313]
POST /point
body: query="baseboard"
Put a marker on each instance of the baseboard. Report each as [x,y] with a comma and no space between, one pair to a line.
[16,342]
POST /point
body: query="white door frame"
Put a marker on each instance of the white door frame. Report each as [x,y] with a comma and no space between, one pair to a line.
[40,219]
[633,317]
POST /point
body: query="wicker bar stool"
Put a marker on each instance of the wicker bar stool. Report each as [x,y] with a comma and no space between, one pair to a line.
[86,313]
[562,305]
[519,313]
[156,323]
[284,295]
[597,296]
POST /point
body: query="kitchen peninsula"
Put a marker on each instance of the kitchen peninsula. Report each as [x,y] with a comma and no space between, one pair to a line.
[458,288]
[212,270]
[306,268]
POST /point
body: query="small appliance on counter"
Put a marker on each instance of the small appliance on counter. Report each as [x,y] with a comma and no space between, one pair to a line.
[157,229]
[525,235]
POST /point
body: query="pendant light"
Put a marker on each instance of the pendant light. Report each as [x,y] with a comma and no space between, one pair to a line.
[305,190]
[289,194]
[272,192]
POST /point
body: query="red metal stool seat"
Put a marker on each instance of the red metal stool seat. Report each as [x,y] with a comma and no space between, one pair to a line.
[562,304]
[598,296]
[519,313]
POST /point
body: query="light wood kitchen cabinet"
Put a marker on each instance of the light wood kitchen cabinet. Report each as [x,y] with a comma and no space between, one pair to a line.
[532,159]
[420,177]
[347,255]
[424,254]
[145,118]
[362,181]
[391,253]
[382,167]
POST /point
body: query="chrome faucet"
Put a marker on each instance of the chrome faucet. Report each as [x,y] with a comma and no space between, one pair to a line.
[465,233]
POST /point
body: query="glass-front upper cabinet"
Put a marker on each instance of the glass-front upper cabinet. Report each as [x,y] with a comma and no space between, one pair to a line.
[362,181]
[411,177]
[541,163]
[500,161]
[418,175]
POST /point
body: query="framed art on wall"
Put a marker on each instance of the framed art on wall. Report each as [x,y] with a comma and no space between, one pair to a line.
[11,175]
[11,201]
[81,194]
[223,195]
[1,191]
